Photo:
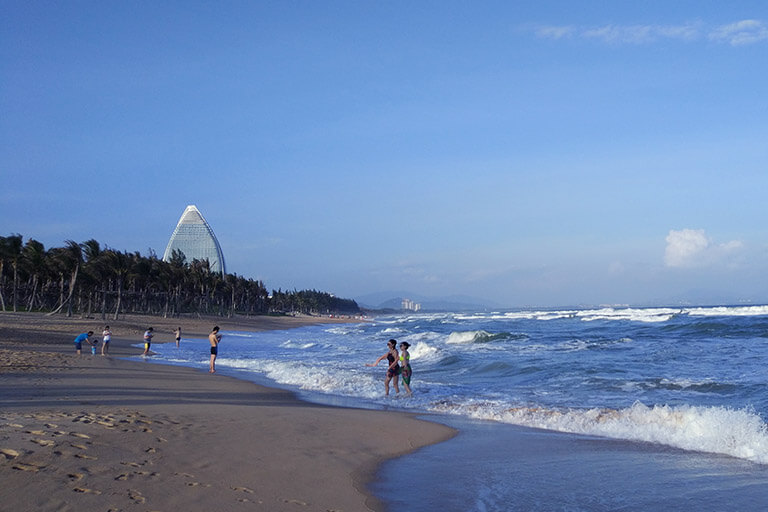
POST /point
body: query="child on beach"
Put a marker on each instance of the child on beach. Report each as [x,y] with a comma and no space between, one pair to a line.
[393,370]
[93,346]
[106,338]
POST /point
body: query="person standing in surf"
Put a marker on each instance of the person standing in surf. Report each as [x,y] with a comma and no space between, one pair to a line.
[148,340]
[214,338]
[177,332]
[393,370]
[405,366]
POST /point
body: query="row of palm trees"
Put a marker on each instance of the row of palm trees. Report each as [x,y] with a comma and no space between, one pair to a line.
[86,278]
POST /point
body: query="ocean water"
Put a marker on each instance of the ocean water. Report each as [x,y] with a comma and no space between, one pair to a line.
[650,383]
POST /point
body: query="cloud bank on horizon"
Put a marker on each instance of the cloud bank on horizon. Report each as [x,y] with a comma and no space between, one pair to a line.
[744,32]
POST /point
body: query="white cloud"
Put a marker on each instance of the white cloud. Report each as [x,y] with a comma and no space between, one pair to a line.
[640,34]
[693,248]
[554,32]
[741,33]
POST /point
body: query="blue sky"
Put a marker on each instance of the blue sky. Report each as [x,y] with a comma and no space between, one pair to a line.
[527,153]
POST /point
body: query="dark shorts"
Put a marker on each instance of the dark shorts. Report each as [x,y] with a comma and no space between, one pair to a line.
[214,351]
[78,346]
[392,373]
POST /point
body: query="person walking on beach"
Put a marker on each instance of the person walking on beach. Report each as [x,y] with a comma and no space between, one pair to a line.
[393,370]
[215,339]
[177,332]
[405,366]
[147,340]
[85,337]
[106,336]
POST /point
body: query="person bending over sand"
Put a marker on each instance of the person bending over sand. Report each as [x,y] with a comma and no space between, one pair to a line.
[215,339]
[85,337]
[393,370]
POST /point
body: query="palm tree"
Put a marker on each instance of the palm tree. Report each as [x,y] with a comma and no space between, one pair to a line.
[3,252]
[68,259]
[119,265]
[33,261]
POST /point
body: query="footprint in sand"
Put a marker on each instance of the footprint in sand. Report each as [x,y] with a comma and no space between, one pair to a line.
[36,432]
[80,446]
[43,442]
[76,476]
[296,502]
[243,489]
[9,453]
[34,468]
[84,456]
[86,491]
[81,436]
[136,496]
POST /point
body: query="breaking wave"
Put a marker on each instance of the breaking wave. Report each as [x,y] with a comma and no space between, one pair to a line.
[738,433]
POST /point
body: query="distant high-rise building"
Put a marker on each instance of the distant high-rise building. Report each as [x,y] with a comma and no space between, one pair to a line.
[409,305]
[194,237]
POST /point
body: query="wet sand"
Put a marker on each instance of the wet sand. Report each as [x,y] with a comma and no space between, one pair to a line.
[103,433]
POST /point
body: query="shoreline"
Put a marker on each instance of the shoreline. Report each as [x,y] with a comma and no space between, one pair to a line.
[95,432]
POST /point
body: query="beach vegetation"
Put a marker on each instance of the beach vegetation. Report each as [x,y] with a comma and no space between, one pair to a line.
[88,278]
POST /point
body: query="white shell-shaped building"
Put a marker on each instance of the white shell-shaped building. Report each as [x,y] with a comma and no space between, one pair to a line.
[195,238]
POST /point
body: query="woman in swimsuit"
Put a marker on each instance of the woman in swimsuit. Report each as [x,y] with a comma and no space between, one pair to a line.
[393,370]
[405,366]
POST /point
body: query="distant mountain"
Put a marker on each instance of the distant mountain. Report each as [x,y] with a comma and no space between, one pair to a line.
[394,299]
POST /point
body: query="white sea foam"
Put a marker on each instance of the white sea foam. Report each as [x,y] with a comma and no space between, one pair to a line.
[632,314]
[460,337]
[729,311]
[623,313]
[324,379]
[297,345]
[424,352]
[736,432]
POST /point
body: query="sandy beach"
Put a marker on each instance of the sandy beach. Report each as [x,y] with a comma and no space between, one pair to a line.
[102,433]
